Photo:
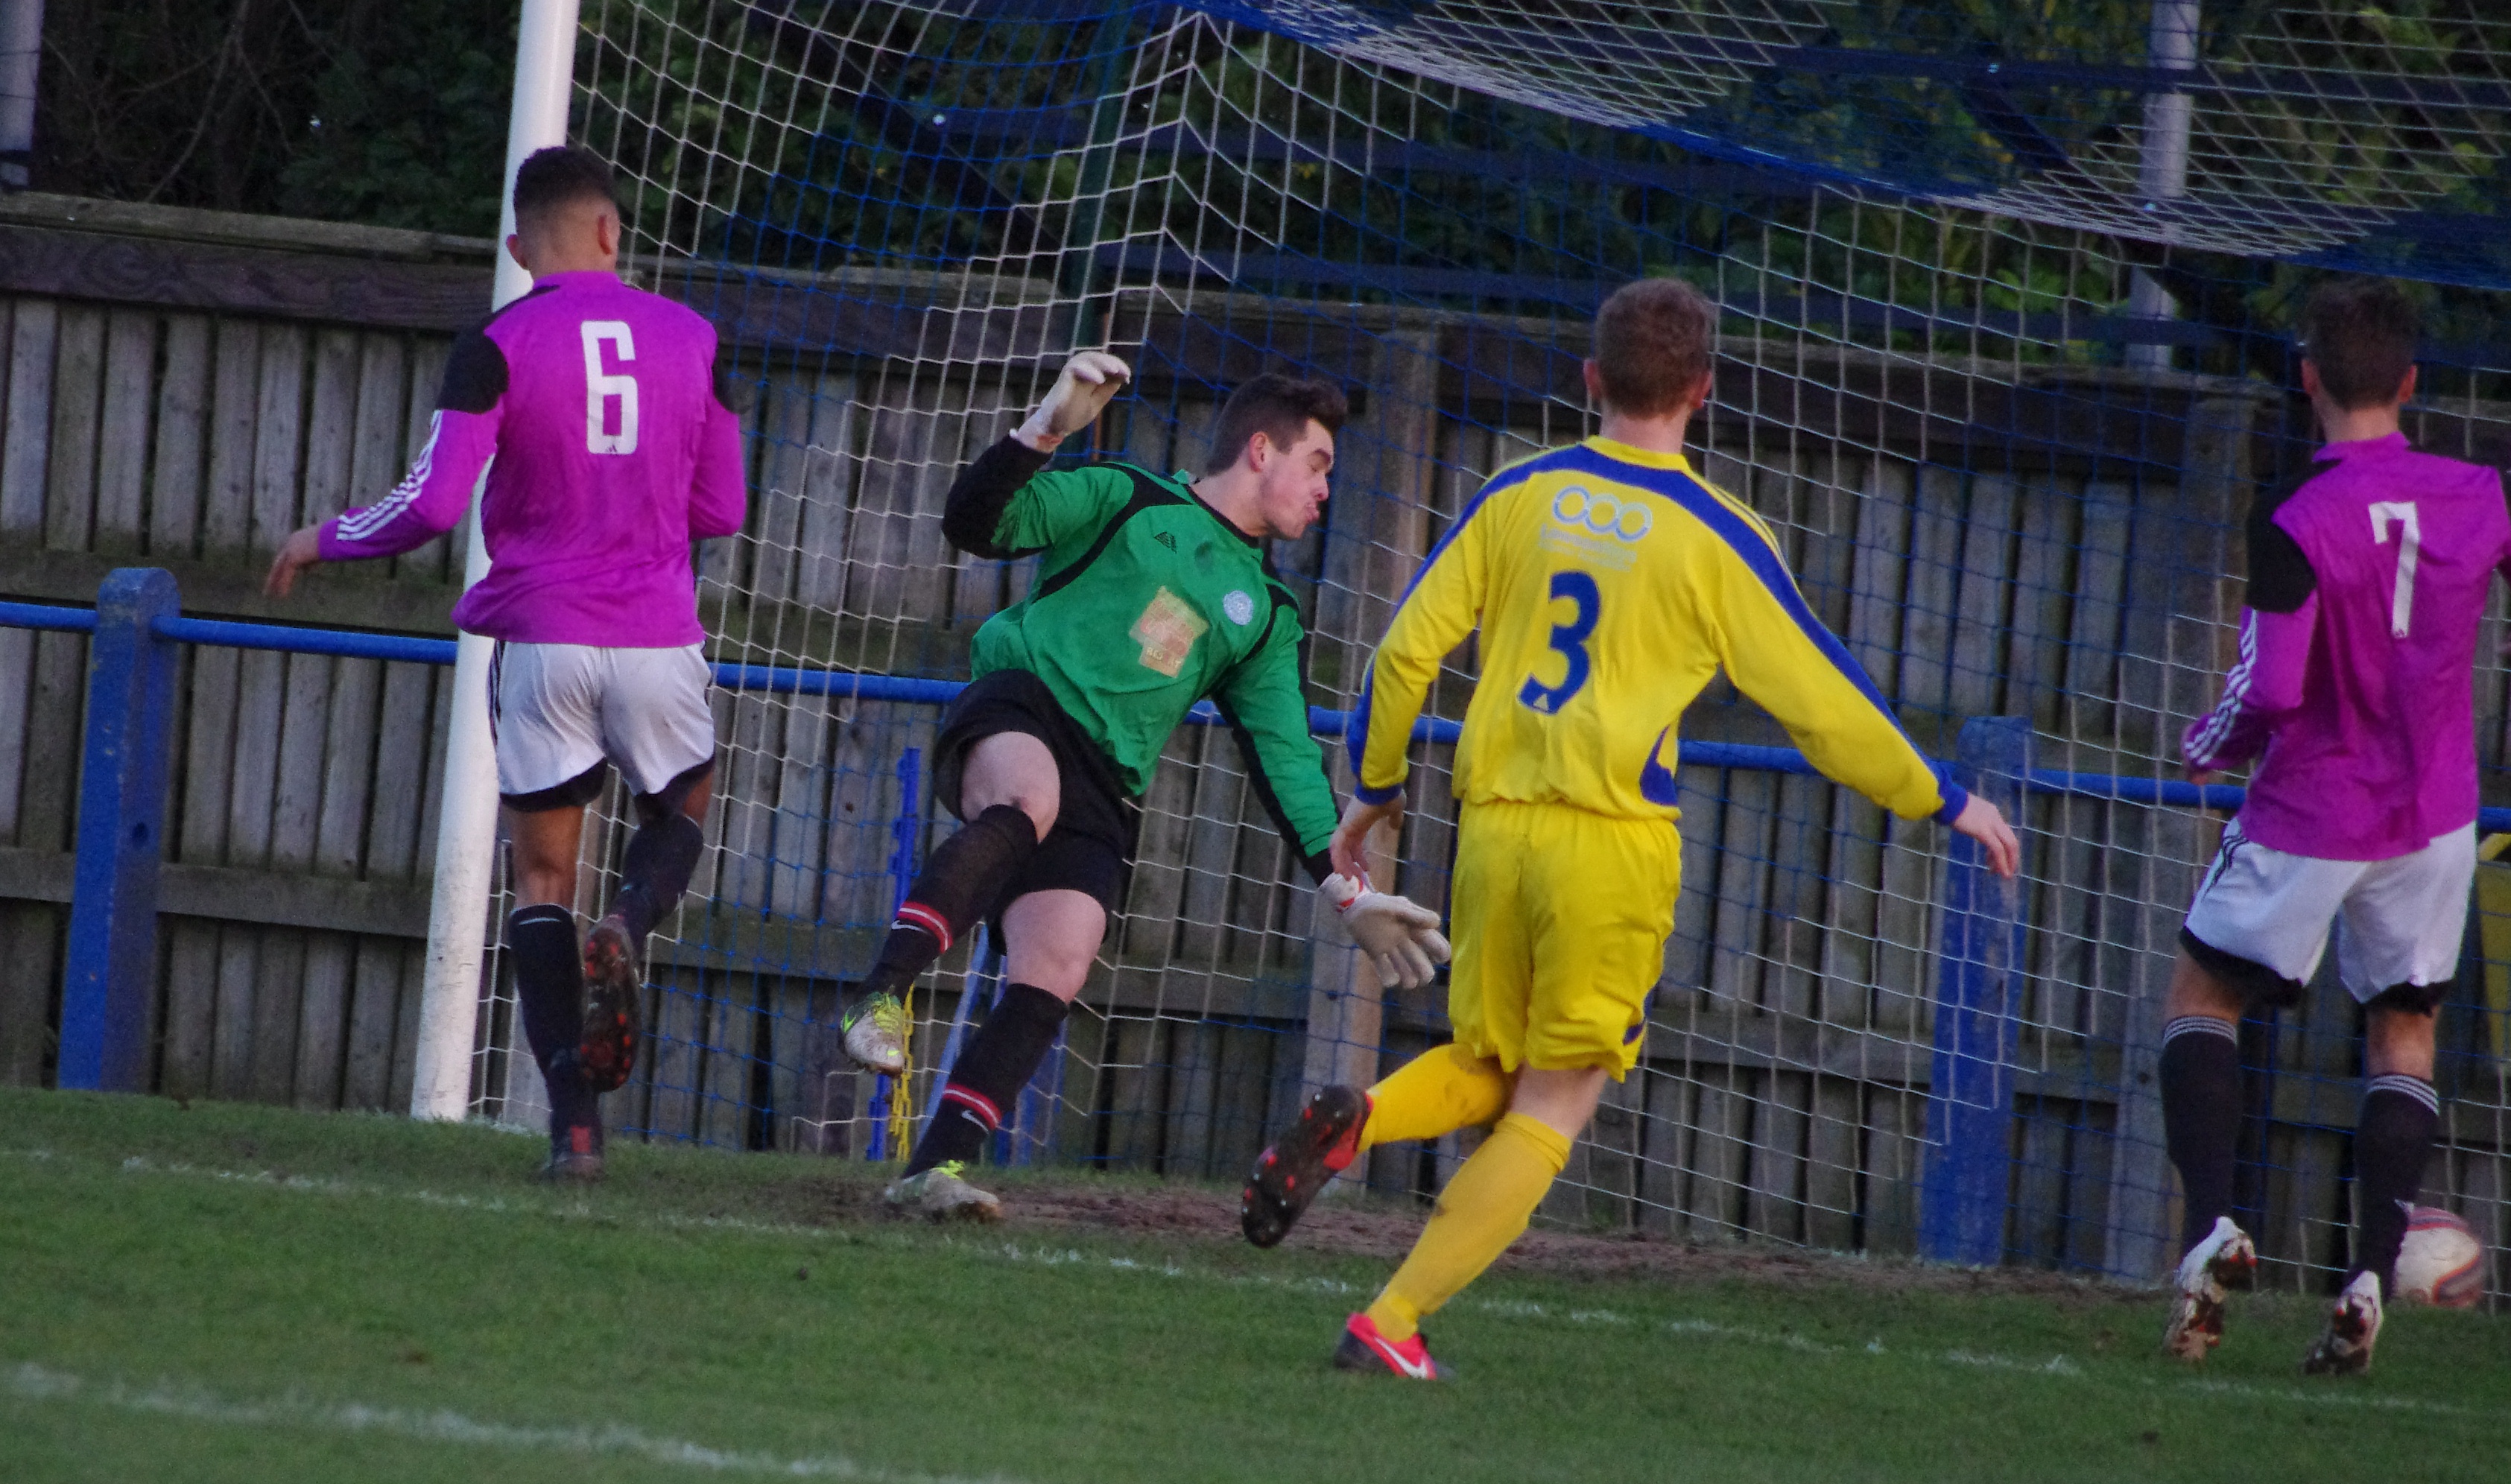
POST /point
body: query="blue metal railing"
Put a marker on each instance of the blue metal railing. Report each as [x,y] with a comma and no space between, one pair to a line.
[861,685]
[47,616]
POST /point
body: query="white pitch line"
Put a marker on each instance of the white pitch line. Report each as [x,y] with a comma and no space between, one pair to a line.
[2058,1368]
[28,1382]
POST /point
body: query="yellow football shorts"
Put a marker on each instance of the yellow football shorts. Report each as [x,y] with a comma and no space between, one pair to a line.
[1560,918]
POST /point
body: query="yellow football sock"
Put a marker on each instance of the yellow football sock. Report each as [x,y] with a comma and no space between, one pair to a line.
[1482,1209]
[1439,1091]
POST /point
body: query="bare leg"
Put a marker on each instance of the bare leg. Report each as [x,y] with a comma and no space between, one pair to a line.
[1051,938]
[1561,1101]
[1016,769]
[2399,1042]
[544,846]
[2196,991]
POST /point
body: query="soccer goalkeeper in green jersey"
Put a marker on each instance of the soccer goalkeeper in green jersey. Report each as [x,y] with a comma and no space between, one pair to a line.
[1153,595]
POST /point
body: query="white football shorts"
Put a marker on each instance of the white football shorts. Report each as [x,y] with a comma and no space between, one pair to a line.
[557,710]
[2404,918]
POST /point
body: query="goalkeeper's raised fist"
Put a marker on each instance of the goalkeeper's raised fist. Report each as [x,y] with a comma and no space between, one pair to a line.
[1089,381]
[1399,935]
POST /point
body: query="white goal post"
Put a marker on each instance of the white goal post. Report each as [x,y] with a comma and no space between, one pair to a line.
[466,837]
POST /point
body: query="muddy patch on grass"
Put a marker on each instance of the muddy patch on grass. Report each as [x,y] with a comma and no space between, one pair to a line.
[1386,1230]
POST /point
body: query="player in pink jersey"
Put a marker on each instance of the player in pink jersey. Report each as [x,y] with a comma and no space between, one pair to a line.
[614,450]
[2355,693]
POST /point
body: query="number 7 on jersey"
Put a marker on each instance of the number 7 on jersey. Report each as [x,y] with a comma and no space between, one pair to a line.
[2402,598]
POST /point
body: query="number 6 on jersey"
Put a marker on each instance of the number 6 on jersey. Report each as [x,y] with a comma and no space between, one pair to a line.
[601,388]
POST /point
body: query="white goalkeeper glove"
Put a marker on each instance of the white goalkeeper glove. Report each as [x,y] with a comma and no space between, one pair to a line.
[1399,937]
[1089,381]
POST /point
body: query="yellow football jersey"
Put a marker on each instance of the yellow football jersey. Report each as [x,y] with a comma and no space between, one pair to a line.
[1610,583]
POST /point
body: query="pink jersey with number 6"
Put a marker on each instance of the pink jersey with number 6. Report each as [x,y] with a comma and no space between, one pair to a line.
[612,451]
[2368,583]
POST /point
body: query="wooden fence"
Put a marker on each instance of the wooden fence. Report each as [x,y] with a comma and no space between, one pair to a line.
[184,389]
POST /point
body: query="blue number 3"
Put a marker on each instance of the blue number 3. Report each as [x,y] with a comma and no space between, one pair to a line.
[1570,639]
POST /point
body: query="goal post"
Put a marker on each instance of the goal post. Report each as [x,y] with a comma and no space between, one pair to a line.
[466,837]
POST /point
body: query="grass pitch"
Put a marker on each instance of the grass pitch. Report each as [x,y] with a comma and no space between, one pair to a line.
[230,1292]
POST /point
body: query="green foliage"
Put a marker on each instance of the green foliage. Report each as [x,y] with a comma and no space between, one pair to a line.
[407,127]
[384,111]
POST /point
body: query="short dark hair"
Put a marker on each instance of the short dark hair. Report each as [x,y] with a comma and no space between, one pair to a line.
[1652,344]
[562,175]
[1278,406]
[2361,334]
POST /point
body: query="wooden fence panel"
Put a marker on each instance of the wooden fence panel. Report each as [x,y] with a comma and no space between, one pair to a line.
[226,512]
[25,462]
[78,396]
[178,464]
[121,468]
[17,740]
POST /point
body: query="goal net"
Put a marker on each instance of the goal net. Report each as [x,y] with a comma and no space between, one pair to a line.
[2006,346]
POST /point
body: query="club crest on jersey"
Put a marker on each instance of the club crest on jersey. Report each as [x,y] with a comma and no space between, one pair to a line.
[1167,630]
[1239,607]
[1604,514]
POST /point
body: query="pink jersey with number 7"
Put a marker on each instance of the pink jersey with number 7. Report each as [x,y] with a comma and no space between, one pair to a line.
[612,451]
[2357,671]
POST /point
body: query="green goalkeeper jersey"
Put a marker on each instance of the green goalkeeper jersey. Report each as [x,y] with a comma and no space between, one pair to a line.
[1147,601]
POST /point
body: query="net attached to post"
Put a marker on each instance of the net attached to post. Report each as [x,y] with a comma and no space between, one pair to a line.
[2005,347]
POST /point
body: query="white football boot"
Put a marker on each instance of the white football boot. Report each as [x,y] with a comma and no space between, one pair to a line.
[2353,1328]
[940,1194]
[875,1032]
[2224,1257]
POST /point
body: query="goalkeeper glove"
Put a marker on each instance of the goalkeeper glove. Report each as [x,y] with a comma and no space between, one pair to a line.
[1088,383]
[1399,937]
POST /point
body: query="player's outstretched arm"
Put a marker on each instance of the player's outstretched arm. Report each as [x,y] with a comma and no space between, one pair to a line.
[2263,686]
[1986,824]
[1082,389]
[1778,653]
[431,498]
[1442,605]
[301,549]
[1268,711]
[1006,503]
[1349,849]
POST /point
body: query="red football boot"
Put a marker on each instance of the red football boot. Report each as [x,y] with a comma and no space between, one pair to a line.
[1289,1175]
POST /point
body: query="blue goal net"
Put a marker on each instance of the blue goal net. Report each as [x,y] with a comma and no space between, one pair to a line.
[2008,298]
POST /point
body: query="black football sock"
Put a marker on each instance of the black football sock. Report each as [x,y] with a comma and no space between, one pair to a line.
[2392,1141]
[999,1060]
[662,855]
[957,886]
[2201,1117]
[549,990]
